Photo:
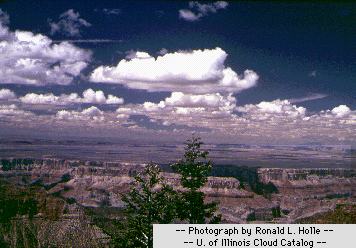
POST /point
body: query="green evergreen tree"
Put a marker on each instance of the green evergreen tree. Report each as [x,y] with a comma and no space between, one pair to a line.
[149,202]
[194,174]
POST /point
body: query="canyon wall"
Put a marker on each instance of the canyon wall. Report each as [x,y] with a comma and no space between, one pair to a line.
[306,192]
[298,193]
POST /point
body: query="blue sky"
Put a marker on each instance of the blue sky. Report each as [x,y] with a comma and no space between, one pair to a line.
[234,72]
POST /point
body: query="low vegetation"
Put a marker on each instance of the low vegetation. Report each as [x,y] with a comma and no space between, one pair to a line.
[342,214]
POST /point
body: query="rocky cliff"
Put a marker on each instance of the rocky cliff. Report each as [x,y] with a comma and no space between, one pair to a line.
[305,192]
[298,192]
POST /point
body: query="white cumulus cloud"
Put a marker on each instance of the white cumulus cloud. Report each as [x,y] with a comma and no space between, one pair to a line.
[341,111]
[33,98]
[13,111]
[281,109]
[196,72]
[89,96]
[92,113]
[208,111]
[6,94]
[179,99]
[31,59]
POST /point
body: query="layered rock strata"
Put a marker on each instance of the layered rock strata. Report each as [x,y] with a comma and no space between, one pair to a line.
[301,192]
[305,192]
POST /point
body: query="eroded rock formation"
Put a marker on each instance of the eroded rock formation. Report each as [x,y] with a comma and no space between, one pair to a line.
[305,192]
[296,194]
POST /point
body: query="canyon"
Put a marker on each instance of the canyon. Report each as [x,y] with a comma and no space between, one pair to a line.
[259,195]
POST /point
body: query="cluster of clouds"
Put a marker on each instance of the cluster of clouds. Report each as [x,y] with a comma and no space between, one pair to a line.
[32,59]
[202,89]
[92,113]
[89,96]
[276,120]
[36,60]
[209,111]
[12,113]
[202,10]
[219,112]
[272,110]
[196,72]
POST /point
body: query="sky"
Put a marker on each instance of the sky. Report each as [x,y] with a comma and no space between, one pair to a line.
[276,73]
